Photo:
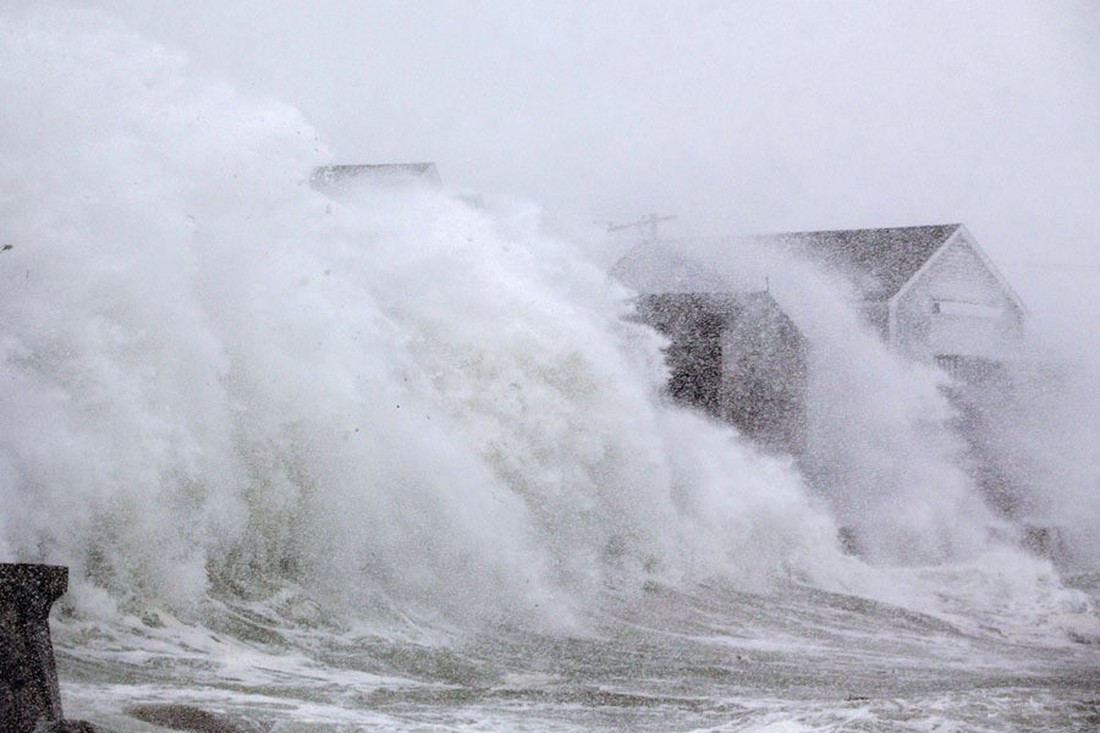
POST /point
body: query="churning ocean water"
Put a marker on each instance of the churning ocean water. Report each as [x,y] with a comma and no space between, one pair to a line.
[393,461]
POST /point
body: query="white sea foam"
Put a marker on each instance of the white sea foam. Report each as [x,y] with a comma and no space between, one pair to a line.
[219,379]
[258,422]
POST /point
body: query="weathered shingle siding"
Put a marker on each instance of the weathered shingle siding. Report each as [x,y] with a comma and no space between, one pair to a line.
[737,357]
[956,307]
[765,378]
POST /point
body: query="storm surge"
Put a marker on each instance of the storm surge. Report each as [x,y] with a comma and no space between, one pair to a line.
[221,385]
[218,380]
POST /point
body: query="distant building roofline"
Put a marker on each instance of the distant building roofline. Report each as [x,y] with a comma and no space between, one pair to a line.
[343,176]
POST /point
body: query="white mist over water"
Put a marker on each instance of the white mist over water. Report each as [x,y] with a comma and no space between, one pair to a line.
[222,388]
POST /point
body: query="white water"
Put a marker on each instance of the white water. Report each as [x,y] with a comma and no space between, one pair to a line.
[297,451]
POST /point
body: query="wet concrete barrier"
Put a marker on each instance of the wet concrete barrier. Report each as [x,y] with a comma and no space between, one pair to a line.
[29,692]
[30,697]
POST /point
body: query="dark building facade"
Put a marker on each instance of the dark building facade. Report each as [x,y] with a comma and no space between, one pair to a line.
[736,357]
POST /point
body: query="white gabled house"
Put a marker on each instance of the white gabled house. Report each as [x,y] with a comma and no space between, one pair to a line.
[930,291]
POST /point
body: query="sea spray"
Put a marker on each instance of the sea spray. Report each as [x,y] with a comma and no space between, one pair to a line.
[1043,427]
[221,381]
[396,460]
[878,441]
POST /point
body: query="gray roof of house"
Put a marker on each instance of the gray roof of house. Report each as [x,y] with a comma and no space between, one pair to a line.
[877,261]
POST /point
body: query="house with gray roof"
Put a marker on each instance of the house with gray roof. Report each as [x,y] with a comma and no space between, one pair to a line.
[931,292]
[934,295]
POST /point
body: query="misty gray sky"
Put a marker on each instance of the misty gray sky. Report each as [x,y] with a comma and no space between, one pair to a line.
[740,116]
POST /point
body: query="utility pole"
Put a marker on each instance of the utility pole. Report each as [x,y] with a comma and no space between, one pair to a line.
[651,221]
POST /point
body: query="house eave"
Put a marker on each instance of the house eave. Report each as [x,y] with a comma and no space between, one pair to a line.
[928,263]
[960,232]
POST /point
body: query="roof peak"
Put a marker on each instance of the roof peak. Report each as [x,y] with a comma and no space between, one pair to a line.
[904,228]
[878,261]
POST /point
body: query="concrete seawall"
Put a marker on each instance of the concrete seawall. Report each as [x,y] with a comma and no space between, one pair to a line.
[29,691]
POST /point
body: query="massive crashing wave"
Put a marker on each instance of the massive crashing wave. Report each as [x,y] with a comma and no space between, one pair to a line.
[217,378]
[220,383]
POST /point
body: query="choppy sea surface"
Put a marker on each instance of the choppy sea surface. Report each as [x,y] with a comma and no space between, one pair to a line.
[660,660]
[399,459]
